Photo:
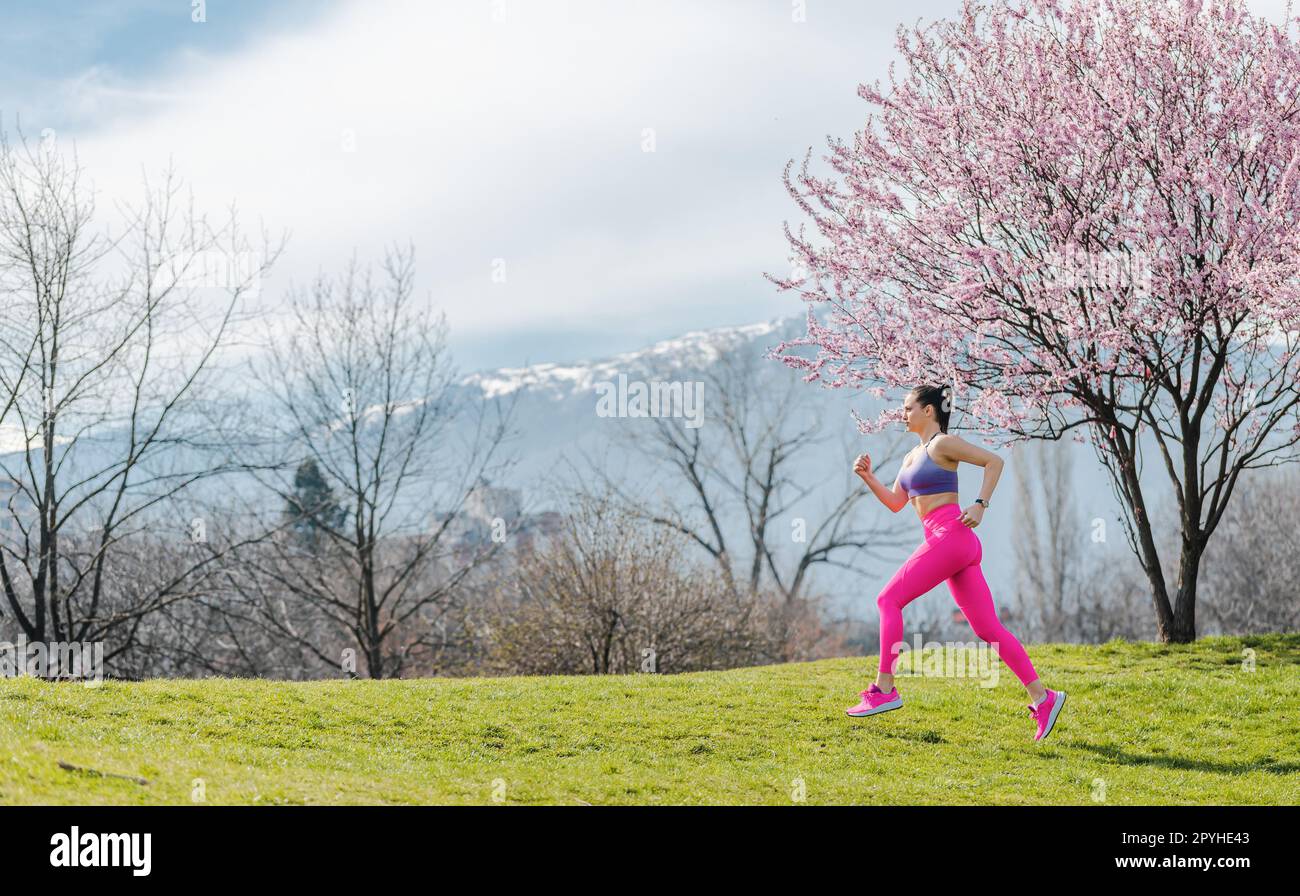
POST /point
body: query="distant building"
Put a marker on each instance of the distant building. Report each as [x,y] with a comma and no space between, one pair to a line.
[494,511]
[488,502]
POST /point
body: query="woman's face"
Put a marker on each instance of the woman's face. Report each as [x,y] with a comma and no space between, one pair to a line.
[913,414]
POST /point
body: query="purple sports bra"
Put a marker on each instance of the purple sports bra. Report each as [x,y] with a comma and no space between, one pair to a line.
[927,477]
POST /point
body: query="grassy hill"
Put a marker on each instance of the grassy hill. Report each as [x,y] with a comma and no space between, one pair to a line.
[1145,724]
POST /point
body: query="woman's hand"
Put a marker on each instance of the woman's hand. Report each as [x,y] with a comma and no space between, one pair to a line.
[972,516]
[862,466]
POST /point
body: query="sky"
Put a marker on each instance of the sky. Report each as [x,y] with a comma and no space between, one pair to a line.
[577,177]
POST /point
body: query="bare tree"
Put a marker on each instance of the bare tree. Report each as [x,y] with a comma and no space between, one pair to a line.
[362,387]
[109,346]
[745,469]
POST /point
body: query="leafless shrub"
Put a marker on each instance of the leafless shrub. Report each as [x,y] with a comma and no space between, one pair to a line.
[614,594]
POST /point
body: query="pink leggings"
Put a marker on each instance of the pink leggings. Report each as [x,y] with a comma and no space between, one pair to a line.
[951,551]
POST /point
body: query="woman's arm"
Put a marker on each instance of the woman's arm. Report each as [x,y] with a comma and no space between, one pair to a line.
[893,498]
[956,449]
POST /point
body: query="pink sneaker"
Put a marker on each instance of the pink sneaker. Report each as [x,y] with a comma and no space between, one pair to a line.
[875,700]
[1047,712]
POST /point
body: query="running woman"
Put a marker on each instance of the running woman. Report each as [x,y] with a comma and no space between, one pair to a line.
[950,552]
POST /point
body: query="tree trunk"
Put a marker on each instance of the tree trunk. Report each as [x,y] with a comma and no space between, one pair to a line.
[1183,628]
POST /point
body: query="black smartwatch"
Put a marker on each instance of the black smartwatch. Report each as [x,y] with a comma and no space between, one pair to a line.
[981,502]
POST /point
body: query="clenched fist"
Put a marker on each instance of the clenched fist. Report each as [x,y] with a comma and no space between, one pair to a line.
[862,466]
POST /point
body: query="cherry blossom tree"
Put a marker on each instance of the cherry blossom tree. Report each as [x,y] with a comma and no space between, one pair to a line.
[1083,215]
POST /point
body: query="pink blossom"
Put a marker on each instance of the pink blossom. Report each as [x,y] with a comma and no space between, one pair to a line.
[1120,135]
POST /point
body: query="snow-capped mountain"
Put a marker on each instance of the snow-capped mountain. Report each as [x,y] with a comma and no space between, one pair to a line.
[693,350]
[557,405]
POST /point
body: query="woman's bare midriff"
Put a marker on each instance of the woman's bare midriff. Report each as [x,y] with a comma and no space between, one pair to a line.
[925,503]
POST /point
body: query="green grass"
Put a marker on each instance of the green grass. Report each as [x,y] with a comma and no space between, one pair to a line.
[1145,724]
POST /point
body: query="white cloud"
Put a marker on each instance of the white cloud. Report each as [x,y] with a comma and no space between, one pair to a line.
[518,139]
